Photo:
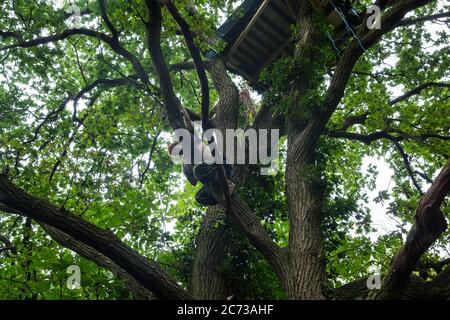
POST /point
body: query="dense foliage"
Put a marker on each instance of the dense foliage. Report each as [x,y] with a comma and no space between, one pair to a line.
[102,155]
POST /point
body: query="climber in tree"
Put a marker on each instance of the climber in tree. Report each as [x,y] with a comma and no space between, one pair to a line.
[212,192]
[206,172]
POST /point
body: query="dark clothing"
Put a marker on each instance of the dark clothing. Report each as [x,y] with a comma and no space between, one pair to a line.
[212,191]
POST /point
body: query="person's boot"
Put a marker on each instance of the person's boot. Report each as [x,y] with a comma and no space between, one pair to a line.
[205,197]
[204,172]
[188,170]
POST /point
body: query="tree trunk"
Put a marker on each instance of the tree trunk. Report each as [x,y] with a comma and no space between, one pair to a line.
[306,268]
[212,241]
[306,273]
[207,281]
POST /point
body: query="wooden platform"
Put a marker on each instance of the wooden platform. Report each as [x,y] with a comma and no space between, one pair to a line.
[259,32]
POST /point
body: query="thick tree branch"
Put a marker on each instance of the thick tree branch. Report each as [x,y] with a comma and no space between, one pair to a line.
[430,223]
[418,289]
[147,273]
[344,68]
[104,14]
[153,29]
[384,134]
[11,34]
[418,90]
[412,21]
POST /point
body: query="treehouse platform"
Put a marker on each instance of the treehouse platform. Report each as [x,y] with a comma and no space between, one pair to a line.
[258,33]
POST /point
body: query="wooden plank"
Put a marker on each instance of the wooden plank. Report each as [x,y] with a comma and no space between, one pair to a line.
[263,46]
[269,60]
[249,26]
[282,12]
[273,25]
[263,28]
[248,52]
[254,36]
[243,60]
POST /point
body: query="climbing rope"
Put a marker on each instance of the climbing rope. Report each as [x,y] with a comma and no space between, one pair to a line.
[334,43]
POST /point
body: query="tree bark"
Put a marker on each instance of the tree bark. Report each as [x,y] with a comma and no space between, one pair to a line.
[136,289]
[430,223]
[418,289]
[146,272]
[212,243]
[305,275]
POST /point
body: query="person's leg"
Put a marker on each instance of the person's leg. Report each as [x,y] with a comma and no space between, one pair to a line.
[209,176]
[188,170]
[216,186]
[205,172]
[205,197]
[229,170]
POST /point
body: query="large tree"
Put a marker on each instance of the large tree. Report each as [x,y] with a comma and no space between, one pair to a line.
[86,109]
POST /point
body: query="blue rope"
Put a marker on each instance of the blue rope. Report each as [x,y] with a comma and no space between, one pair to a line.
[348,27]
[334,43]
